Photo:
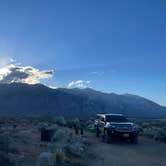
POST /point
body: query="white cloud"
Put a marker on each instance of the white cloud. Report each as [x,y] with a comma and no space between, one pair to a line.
[94,72]
[53,87]
[10,73]
[97,73]
[79,84]
[12,60]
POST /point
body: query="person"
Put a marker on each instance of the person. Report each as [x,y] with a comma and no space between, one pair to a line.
[82,127]
[97,131]
[76,127]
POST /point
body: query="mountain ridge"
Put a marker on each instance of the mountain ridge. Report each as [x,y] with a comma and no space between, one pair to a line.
[38,99]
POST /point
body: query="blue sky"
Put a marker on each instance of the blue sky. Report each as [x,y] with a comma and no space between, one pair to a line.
[112,45]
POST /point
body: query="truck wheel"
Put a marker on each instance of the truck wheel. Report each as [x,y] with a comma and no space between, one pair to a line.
[97,131]
[134,140]
[104,131]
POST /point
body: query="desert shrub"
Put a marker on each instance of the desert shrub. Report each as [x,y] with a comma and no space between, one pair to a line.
[14,126]
[75,149]
[89,122]
[59,135]
[69,123]
[61,121]
[53,127]
[76,120]
[4,159]
[4,143]
[149,132]
[145,125]
[76,146]
[62,135]
[140,129]
[14,150]
[161,135]
[77,163]
[45,126]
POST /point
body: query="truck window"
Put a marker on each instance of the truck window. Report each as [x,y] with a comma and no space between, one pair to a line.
[116,118]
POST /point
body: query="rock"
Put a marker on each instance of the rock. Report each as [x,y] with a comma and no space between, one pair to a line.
[45,159]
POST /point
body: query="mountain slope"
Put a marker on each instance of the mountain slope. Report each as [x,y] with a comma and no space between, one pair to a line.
[23,99]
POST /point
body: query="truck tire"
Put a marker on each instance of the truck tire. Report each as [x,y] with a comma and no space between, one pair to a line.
[98,131]
[134,140]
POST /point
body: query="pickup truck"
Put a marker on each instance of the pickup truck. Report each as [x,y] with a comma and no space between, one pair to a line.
[116,125]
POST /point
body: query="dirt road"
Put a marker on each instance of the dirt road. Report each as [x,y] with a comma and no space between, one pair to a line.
[146,153]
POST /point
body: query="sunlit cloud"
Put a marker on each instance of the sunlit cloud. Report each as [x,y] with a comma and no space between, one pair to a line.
[11,71]
[79,84]
[12,60]
[53,87]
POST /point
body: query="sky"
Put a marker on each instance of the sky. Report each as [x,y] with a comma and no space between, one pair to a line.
[109,45]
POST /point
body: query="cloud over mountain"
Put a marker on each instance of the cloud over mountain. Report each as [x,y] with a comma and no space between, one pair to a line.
[23,74]
[79,84]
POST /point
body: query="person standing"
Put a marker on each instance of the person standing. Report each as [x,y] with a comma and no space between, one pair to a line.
[76,126]
[82,127]
[97,131]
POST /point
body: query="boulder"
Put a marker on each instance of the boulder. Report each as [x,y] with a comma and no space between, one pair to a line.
[45,159]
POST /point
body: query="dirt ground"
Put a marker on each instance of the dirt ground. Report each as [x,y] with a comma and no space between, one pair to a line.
[121,153]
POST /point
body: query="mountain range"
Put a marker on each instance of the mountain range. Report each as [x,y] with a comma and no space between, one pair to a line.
[24,99]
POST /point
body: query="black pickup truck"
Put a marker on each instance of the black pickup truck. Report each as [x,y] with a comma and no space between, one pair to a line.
[116,125]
